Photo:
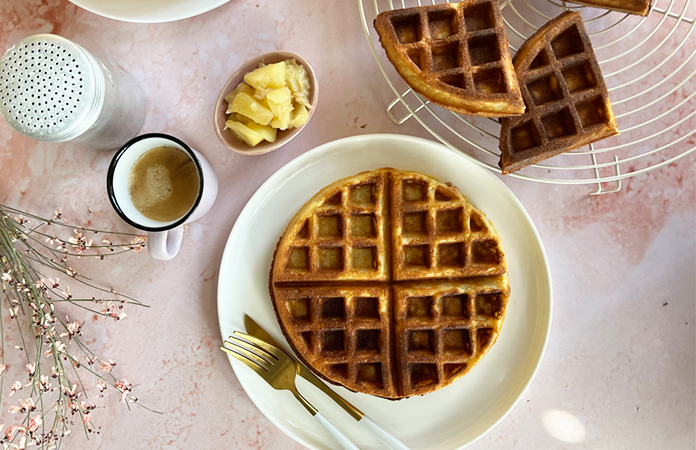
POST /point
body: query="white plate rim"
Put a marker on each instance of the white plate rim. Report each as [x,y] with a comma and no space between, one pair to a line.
[197,9]
[334,147]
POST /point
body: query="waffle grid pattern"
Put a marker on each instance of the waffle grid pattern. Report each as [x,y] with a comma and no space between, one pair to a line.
[437,234]
[565,95]
[460,46]
[352,334]
[455,54]
[345,334]
[343,238]
[442,334]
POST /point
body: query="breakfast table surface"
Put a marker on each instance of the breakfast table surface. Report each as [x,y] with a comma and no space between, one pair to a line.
[618,371]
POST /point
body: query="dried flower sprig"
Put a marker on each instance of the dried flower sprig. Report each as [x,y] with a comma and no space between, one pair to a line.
[33,256]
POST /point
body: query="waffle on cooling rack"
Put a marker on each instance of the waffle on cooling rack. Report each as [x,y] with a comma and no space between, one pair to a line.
[639,7]
[564,92]
[454,54]
[390,283]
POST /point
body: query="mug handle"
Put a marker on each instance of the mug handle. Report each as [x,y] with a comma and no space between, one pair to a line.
[164,245]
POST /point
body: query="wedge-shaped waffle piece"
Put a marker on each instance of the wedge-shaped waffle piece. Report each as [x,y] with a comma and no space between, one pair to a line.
[565,94]
[436,233]
[343,334]
[639,7]
[454,54]
[442,330]
[399,327]
[339,234]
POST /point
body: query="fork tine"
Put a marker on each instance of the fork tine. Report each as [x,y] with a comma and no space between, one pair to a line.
[272,350]
[248,353]
[248,362]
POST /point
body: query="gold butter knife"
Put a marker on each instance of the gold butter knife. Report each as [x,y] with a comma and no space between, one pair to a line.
[254,329]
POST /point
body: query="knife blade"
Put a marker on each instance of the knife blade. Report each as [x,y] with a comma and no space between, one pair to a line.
[256,330]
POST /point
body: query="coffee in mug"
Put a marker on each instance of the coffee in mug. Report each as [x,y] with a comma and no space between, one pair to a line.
[163,184]
[158,184]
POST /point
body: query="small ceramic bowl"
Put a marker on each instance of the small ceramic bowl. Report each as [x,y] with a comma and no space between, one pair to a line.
[284,136]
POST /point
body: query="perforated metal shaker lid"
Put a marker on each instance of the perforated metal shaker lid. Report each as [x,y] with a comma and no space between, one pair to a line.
[51,89]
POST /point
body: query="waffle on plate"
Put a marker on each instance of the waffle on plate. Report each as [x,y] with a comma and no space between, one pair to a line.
[390,283]
[455,54]
[564,92]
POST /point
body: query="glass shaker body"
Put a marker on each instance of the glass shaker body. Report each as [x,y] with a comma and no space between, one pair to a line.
[122,112]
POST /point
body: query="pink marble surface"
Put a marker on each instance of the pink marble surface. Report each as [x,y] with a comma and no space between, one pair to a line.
[620,359]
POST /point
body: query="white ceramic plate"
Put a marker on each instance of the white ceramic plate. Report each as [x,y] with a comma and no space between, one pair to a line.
[148,11]
[451,417]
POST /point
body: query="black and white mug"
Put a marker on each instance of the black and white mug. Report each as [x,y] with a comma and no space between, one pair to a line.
[165,233]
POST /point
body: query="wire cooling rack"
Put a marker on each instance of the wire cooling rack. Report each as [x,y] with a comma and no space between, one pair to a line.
[648,65]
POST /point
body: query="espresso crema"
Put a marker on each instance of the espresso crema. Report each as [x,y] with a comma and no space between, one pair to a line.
[164,184]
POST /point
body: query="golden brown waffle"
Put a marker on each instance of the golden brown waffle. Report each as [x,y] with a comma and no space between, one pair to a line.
[454,54]
[564,92]
[444,329]
[342,334]
[436,233]
[339,234]
[639,7]
[399,326]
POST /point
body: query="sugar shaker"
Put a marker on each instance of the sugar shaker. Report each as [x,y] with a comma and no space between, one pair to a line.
[53,90]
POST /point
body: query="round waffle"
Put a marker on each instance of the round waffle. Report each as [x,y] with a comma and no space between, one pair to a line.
[390,283]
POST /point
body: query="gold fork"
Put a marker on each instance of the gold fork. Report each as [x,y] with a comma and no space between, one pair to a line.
[276,367]
[255,330]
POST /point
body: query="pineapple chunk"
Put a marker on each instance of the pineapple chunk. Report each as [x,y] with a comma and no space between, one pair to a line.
[282,122]
[297,80]
[248,106]
[280,104]
[241,87]
[279,95]
[240,118]
[268,132]
[271,76]
[260,94]
[244,133]
[299,116]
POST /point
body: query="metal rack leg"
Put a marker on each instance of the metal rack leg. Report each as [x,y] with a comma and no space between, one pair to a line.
[617,172]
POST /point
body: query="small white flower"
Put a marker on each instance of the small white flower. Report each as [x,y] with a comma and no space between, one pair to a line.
[34,423]
[16,386]
[10,432]
[106,366]
[27,405]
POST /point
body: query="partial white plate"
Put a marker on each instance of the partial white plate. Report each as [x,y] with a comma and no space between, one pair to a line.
[148,11]
[449,418]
